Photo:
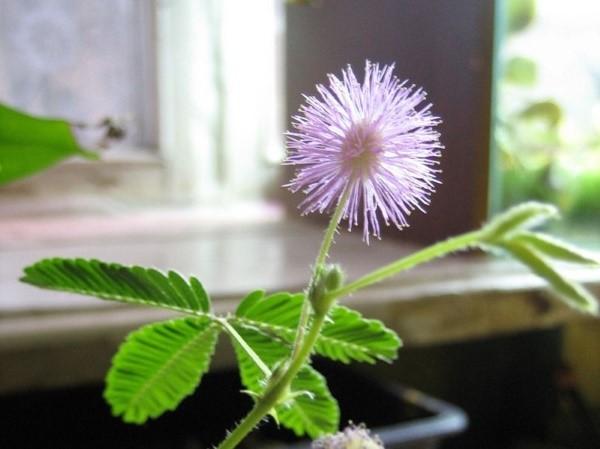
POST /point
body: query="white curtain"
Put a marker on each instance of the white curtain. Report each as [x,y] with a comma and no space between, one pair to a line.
[220,96]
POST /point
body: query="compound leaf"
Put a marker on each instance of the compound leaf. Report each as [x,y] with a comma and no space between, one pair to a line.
[311,409]
[554,248]
[114,282]
[314,411]
[347,336]
[158,366]
[519,218]
[571,293]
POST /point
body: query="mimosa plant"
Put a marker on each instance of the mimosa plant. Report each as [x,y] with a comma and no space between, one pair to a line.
[368,151]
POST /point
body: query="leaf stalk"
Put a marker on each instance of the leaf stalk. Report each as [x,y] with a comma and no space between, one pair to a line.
[278,385]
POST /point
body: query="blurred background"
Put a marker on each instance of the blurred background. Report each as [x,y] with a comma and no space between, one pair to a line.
[185,102]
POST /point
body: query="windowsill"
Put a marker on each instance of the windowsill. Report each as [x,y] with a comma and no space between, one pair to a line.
[121,156]
[79,185]
[98,219]
[448,300]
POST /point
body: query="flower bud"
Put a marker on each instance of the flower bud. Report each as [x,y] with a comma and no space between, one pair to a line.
[327,279]
[352,437]
[334,277]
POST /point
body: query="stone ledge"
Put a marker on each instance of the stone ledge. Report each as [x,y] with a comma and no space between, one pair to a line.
[56,340]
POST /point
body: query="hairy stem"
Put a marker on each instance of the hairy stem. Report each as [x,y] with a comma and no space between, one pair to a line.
[259,411]
[237,337]
[460,242]
[321,258]
[331,229]
[303,344]
[305,339]
[275,390]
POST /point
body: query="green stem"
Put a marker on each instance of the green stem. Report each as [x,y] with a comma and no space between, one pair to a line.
[275,391]
[305,350]
[259,411]
[253,355]
[330,232]
[303,344]
[453,244]
[301,329]
[321,258]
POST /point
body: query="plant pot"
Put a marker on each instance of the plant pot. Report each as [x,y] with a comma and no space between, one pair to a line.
[403,418]
[78,417]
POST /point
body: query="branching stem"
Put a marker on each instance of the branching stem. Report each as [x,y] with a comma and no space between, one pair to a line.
[460,242]
[238,338]
[306,336]
[321,258]
[303,343]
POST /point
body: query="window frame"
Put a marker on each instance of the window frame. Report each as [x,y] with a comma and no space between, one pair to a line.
[172,170]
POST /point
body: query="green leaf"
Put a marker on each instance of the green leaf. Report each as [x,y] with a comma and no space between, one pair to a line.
[572,293]
[249,301]
[349,336]
[520,13]
[268,325]
[279,310]
[158,366]
[520,71]
[114,282]
[346,337]
[314,415]
[275,316]
[547,111]
[522,217]
[29,144]
[554,248]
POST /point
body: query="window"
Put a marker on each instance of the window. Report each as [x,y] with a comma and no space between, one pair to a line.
[221,96]
[198,84]
[82,61]
[548,116]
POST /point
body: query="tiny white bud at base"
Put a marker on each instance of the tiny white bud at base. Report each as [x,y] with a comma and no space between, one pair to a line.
[352,437]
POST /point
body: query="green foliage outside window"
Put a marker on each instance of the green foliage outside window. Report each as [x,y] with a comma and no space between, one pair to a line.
[538,158]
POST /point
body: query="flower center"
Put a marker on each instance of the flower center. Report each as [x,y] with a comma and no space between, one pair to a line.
[361,149]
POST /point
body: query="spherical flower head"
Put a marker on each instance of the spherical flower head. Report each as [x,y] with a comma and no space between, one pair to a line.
[373,143]
[352,437]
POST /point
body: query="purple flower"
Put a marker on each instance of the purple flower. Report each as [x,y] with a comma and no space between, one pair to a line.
[373,140]
[352,437]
